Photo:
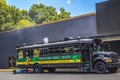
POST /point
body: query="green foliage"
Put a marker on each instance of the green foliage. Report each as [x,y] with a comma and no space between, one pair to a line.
[7,26]
[3,14]
[13,18]
[41,13]
[23,23]
[63,14]
[3,2]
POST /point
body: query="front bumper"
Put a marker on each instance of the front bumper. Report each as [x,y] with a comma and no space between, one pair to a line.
[117,64]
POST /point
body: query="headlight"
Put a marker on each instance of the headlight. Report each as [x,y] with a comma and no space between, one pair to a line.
[108,60]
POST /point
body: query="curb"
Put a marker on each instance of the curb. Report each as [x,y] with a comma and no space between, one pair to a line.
[11,70]
[6,70]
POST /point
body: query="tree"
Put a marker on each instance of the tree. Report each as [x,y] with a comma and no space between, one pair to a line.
[41,13]
[3,2]
[13,18]
[38,13]
[3,12]
[63,14]
[24,15]
[6,27]
[15,14]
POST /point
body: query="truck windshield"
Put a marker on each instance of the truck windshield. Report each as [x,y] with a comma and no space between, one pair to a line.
[102,47]
[106,46]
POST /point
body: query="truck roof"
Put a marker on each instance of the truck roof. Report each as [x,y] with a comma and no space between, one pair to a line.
[56,43]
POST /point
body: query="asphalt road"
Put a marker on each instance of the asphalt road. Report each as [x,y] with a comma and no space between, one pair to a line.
[59,75]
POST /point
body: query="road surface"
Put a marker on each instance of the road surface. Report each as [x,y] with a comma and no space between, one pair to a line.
[59,75]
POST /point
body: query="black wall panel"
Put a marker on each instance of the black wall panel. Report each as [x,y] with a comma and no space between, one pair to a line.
[108,17]
[81,26]
[115,46]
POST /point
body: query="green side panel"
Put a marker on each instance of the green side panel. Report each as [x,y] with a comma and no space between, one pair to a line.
[71,56]
[21,59]
[74,57]
[34,59]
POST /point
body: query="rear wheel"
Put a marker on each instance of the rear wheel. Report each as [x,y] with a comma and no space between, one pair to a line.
[100,67]
[113,69]
[51,69]
[37,68]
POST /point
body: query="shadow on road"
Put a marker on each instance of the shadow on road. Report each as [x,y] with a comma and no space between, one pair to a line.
[65,72]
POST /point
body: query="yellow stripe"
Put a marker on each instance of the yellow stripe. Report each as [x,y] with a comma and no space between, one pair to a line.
[58,61]
[51,62]
[24,63]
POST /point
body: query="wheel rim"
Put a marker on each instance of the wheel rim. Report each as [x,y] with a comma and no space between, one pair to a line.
[36,68]
[100,67]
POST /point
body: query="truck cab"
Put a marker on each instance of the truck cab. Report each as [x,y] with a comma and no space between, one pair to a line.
[104,59]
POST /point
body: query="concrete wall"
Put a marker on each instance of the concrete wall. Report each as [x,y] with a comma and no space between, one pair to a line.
[80,26]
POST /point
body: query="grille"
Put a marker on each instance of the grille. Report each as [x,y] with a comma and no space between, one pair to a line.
[114,57]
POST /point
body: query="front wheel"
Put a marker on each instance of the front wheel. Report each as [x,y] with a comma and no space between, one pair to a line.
[100,67]
[37,68]
[113,69]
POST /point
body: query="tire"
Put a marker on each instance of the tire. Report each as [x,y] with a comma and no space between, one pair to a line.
[100,67]
[113,69]
[37,68]
[51,69]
